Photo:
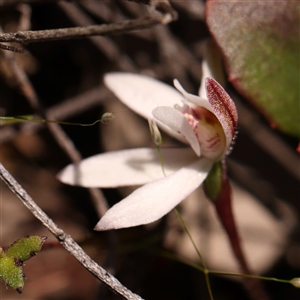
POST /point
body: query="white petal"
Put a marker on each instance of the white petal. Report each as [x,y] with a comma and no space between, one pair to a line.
[176,122]
[192,98]
[126,167]
[153,200]
[141,93]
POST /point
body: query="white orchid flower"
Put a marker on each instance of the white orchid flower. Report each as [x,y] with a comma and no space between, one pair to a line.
[206,122]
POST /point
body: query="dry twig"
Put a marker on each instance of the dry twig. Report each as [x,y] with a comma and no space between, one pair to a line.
[66,240]
[166,15]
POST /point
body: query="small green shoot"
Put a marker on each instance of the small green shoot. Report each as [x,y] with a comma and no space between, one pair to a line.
[12,258]
[25,248]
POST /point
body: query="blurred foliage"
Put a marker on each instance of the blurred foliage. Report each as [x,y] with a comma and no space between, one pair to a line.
[260,42]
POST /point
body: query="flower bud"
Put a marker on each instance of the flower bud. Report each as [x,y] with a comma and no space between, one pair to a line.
[296,282]
[107,117]
[155,133]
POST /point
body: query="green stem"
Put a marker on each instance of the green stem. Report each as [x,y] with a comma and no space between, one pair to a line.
[103,120]
[249,276]
[204,269]
[161,160]
[224,273]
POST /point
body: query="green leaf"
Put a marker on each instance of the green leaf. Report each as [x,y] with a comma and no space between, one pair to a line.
[12,274]
[24,248]
[11,260]
[260,42]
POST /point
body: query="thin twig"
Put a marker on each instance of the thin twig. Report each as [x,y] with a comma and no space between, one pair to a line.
[163,14]
[66,240]
[26,37]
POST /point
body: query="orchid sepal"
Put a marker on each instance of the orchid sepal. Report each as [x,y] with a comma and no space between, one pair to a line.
[154,200]
[134,167]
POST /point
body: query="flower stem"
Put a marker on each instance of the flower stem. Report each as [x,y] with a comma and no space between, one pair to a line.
[249,276]
[161,160]
[203,268]
[293,281]
[105,119]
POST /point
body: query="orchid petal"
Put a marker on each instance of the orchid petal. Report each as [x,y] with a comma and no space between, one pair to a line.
[223,107]
[125,167]
[176,122]
[153,200]
[192,98]
[141,93]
